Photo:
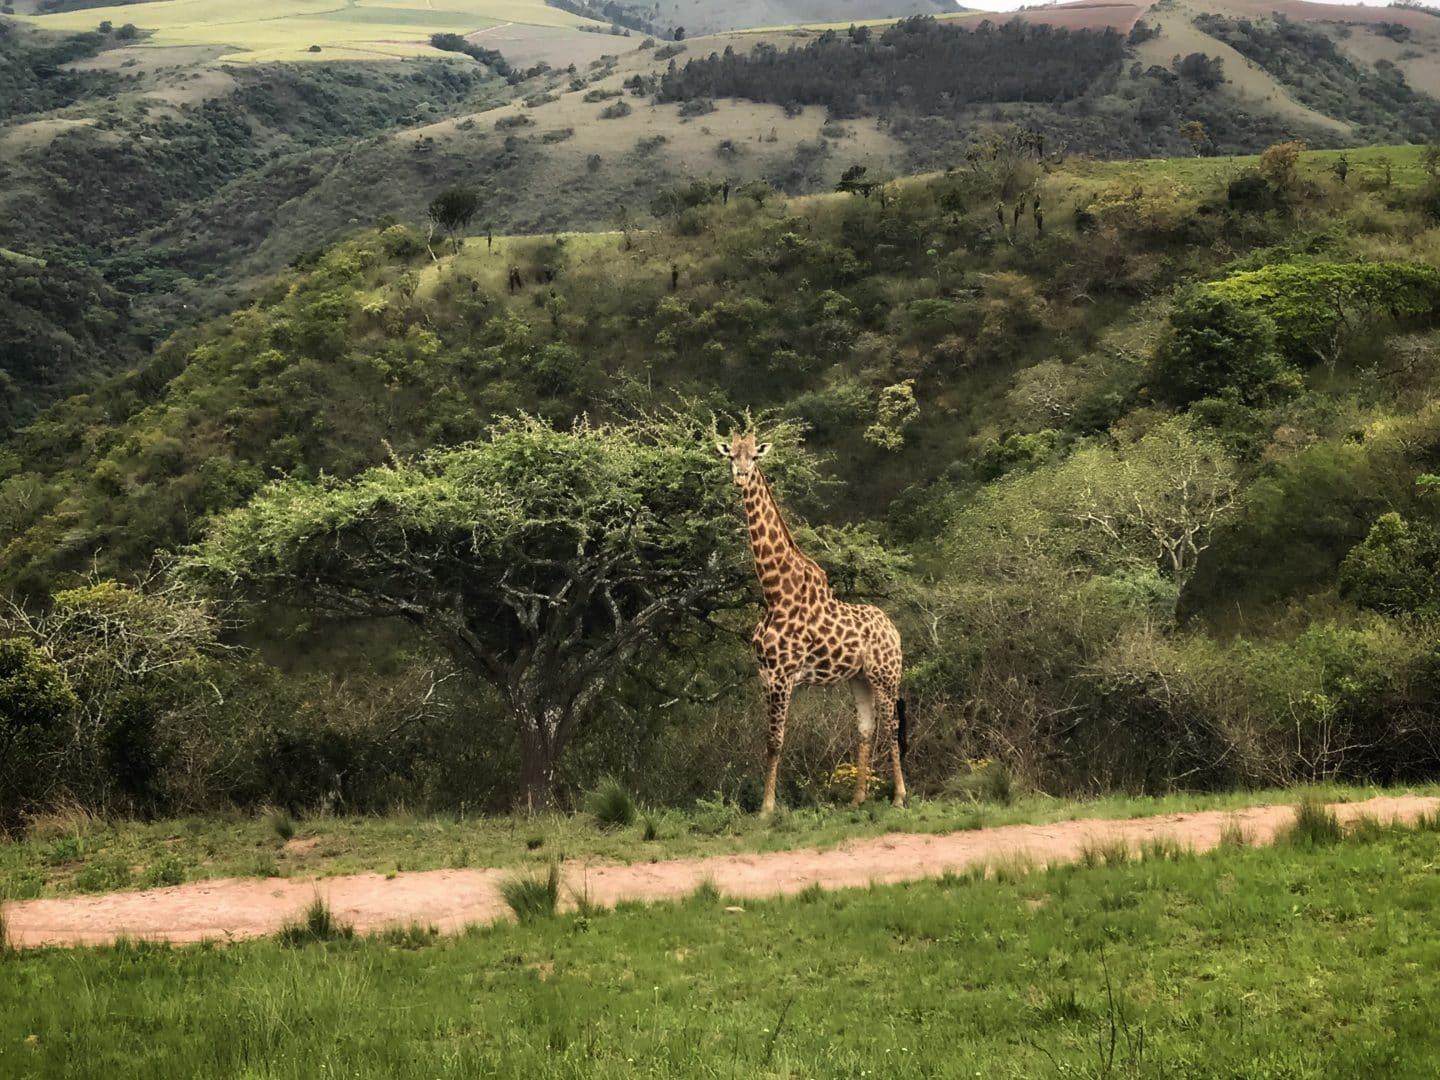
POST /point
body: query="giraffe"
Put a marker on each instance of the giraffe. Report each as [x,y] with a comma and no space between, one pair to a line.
[809,637]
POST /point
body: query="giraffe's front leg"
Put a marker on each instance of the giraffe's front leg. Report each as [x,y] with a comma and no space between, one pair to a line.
[865,720]
[778,701]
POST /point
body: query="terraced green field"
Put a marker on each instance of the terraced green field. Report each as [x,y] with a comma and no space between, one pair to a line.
[269,30]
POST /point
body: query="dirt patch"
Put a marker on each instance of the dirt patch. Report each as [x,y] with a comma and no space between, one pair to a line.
[301,847]
[453,899]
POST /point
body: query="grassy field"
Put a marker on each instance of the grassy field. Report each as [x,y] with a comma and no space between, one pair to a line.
[286,29]
[77,854]
[1315,958]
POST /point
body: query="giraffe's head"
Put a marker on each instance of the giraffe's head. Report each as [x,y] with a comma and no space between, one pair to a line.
[743,452]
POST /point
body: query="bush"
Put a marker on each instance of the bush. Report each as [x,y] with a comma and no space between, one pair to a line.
[1219,347]
[402,243]
[1395,569]
[615,110]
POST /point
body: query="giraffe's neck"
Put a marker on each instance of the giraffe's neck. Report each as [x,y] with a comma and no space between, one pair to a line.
[785,572]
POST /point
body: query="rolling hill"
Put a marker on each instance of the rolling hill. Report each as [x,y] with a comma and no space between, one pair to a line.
[183,165]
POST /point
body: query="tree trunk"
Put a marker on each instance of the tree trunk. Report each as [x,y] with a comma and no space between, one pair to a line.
[540,747]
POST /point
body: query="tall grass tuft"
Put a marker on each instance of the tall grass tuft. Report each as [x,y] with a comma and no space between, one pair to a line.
[318,924]
[1315,826]
[281,823]
[413,935]
[611,805]
[4,924]
[1233,835]
[707,892]
[533,896]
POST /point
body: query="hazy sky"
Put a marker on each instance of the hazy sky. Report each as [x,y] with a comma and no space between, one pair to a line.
[1011,5]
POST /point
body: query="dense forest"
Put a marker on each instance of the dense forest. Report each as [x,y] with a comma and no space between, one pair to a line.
[1142,459]
[920,64]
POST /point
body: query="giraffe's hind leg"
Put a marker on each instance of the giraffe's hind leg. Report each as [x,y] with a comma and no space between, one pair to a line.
[865,719]
[885,707]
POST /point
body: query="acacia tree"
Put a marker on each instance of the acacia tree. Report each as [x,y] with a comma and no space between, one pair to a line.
[1319,307]
[452,211]
[548,562]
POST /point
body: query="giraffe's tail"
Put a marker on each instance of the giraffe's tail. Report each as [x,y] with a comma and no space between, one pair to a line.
[902,730]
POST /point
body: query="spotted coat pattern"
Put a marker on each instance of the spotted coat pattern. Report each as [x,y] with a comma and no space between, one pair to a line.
[808,636]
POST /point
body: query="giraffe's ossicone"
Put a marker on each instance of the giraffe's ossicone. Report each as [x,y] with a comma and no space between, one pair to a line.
[808,636]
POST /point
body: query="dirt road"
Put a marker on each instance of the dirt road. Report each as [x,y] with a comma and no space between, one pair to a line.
[450,899]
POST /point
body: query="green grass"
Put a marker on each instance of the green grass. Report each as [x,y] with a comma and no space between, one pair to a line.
[1279,962]
[88,855]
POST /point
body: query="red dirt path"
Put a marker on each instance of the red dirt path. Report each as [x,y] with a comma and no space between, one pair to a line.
[451,899]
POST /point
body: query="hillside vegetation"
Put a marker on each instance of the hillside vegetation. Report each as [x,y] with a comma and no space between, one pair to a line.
[185,175]
[1140,455]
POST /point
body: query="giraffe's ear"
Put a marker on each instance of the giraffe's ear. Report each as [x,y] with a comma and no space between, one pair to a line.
[762,449]
[724,448]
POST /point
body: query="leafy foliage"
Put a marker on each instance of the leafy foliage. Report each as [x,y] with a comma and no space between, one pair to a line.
[1317,306]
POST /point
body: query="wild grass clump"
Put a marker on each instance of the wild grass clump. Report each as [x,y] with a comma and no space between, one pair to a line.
[1163,849]
[410,936]
[1233,835]
[1114,853]
[281,824]
[318,924]
[984,781]
[1315,826]
[167,870]
[533,896]
[707,892]
[611,805]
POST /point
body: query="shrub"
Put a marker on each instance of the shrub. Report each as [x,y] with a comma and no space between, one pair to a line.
[1395,569]
[402,243]
[1219,347]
